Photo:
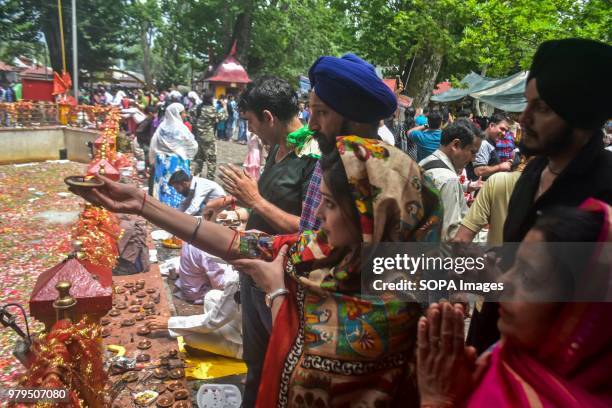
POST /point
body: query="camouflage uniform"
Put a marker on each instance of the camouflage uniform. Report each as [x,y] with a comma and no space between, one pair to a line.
[204,119]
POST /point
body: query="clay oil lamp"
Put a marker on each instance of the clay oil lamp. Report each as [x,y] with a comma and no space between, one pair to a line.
[130,376]
[128,285]
[134,309]
[143,331]
[119,291]
[141,295]
[174,385]
[143,358]
[105,321]
[139,317]
[105,332]
[160,373]
[165,401]
[182,404]
[121,305]
[127,322]
[176,373]
[144,344]
[114,312]
[181,394]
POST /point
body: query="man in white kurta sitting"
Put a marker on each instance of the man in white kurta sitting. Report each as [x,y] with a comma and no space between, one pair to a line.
[218,330]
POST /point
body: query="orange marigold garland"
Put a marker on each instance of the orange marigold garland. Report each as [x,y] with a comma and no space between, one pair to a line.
[98,231]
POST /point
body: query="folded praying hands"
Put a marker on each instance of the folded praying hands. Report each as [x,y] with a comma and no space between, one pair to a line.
[446,369]
[239,184]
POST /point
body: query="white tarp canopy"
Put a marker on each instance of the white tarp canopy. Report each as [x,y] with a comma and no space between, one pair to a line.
[506,94]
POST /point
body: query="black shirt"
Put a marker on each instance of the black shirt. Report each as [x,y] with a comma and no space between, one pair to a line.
[283,184]
[588,175]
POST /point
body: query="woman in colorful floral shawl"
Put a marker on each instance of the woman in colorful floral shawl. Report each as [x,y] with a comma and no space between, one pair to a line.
[330,345]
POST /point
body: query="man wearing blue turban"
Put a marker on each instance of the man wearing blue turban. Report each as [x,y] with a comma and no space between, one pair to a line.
[347,98]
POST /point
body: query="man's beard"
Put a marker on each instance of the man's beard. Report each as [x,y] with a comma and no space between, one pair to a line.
[327,143]
[547,147]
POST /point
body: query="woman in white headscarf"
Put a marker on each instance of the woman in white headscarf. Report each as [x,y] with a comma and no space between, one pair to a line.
[172,148]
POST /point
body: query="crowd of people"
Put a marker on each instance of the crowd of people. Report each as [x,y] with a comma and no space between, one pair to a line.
[308,333]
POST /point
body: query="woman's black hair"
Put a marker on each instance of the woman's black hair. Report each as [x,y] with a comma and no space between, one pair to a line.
[409,121]
[570,225]
[336,180]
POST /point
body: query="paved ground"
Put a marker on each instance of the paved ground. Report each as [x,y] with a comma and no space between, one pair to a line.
[230,152]
[227,152]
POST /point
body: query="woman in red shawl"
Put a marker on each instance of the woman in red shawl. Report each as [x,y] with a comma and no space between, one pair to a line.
[551,354]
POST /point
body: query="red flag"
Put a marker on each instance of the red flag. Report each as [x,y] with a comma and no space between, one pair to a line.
[67,79]
[59,87]
[61,84]
[233,51]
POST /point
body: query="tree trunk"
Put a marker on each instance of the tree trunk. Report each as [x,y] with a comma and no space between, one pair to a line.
[242,36]
[241,33]
[146,55]
[50,28]
[423,77]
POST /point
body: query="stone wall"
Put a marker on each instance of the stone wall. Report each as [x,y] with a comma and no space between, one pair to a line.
[23,145]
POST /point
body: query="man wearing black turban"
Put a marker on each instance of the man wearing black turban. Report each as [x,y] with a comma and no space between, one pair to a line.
[568,101]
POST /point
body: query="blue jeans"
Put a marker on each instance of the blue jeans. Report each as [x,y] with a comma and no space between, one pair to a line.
[242,128]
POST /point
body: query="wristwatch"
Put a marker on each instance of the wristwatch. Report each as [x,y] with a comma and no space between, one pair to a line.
[271,296]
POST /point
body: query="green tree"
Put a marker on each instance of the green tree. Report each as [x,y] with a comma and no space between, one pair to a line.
[19,34]
[143,21]
[411,38]
[289,36]
[100,31]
